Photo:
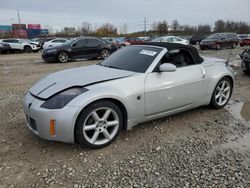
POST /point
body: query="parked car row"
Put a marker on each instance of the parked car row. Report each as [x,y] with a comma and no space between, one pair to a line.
[79,48]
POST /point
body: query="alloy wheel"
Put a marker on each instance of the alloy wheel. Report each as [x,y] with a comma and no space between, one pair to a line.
[222,93]
[101,126]
[105,54]
[63,57]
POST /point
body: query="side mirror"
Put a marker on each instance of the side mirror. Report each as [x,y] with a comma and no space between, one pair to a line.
[167,67]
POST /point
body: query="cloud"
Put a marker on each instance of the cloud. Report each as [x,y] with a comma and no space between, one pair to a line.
[72,13]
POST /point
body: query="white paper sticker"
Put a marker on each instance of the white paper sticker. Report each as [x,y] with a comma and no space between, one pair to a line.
[148,52]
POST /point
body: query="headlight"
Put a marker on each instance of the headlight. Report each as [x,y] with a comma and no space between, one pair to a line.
[61,99]
[51,51]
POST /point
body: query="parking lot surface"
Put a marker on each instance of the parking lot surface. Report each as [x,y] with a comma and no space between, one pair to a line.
[199,148]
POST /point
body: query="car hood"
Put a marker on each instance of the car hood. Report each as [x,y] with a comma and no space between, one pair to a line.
[80,76]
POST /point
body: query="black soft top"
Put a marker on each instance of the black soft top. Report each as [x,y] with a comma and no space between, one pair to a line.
[175,46]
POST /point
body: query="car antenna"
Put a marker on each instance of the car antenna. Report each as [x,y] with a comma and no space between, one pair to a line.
[230,53]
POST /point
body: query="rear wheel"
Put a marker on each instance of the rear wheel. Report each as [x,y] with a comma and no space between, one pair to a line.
[222,93]
[27,49]
[234,45]
[218,46]
[99,124]
[105,53]
[63,57]
[122,46]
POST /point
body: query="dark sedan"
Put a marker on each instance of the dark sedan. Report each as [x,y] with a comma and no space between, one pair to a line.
[79,48]
[220,40]
[4,48]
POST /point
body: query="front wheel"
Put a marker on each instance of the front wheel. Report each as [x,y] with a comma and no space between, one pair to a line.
[99,124]
[63,57]
[222,93]
[105,53]
[27,49]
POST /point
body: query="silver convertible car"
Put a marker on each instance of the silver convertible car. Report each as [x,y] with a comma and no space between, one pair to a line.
[92,104]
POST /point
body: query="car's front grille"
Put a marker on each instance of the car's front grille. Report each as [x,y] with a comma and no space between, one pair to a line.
[31,122]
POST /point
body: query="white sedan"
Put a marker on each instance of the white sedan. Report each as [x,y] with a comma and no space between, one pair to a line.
[171,39]
[54,42]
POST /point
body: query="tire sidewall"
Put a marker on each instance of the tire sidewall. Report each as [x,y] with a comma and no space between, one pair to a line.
[27,49]
[58,57]
[213,102]
[79,136]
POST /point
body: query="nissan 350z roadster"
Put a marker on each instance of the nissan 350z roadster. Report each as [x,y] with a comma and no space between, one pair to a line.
[91,105]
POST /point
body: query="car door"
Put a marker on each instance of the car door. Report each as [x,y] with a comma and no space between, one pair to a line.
[79,49]
[19,44]
[10,42]
[94,46]
[170,91]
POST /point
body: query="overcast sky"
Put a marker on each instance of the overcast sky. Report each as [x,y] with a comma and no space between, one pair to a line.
[60,13]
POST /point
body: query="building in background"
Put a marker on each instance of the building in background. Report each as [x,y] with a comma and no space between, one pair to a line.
[69,30]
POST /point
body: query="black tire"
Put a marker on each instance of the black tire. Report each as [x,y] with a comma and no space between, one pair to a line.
[213,102]
[122,45]
[63,57]
[234,45]
[27,49]
[80,136]
[246,72]
[218,46]
[105,53]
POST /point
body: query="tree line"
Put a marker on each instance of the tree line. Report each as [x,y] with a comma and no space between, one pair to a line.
[161,28]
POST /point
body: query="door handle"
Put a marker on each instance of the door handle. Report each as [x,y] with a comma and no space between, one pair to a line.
[203,73]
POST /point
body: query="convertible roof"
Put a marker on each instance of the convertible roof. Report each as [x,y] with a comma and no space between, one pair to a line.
[175,46]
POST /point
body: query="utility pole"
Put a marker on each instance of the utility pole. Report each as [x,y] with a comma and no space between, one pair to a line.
[145,25]
[19,21]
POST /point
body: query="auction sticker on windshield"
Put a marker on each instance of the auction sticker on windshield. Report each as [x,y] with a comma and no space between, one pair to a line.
[148,52]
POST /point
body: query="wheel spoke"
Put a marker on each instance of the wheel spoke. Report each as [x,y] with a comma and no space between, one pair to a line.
[89,127]
[95,136]
[112,123]
[106,134]
[106,115]
[217,96]
[226,89]
[223,96]
[220,100]
[95,116]
[223,85]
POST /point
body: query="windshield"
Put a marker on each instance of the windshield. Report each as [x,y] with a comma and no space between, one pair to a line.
[215,36]
[132,58]
[160,39]
[69,42]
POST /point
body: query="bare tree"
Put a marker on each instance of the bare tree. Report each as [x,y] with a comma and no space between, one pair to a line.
[162,27]
[124,28]
[106,30]
[86,28]
[175,25]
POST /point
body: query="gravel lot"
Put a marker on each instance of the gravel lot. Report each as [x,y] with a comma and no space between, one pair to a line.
[198,148]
